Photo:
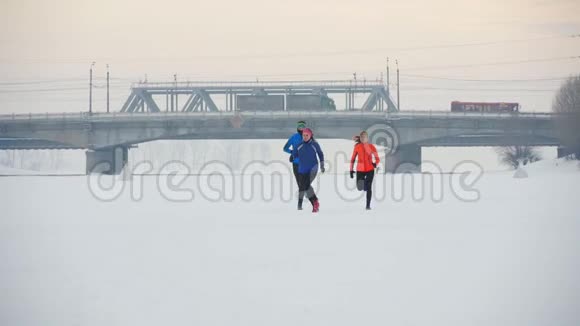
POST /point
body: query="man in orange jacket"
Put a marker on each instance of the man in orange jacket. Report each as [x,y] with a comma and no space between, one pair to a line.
[364,152]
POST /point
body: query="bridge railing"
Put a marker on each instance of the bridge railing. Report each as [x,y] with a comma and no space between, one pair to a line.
[424,113]
[245,114]
[101,116]
[45,116]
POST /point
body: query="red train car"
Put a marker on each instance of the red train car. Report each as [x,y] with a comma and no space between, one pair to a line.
[495,107]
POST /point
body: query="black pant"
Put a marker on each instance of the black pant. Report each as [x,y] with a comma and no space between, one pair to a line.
[295,170]
[305,186]
[364,182]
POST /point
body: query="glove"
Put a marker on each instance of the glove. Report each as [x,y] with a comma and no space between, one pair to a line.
[291,158]
[322,169]
[374,165]
[352,174]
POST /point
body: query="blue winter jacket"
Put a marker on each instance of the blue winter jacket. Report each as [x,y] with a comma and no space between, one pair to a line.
[308,152]
[293,141]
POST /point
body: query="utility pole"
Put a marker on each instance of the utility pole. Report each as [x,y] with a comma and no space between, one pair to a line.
[91,88]
[107,88]
[175,81]
[353,92]
[388,76]
[398,87]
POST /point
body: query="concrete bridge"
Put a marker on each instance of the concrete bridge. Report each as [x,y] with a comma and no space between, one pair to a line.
[108,137]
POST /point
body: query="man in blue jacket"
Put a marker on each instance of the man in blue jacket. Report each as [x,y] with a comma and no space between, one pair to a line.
[293,142]
[309,153]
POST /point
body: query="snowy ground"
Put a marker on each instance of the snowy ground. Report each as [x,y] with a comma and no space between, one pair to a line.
[508,258]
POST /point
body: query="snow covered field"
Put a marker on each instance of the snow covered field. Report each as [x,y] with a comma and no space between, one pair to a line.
[510,257]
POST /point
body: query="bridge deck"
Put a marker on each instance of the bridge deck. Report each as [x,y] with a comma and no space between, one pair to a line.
[116,116]
[428,128]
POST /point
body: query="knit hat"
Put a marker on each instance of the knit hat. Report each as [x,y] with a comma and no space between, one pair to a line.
[301,125]
[307,131]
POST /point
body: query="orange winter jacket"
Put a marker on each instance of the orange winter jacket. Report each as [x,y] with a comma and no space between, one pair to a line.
[365,153]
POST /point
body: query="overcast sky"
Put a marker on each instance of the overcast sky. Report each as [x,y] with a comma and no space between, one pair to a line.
[47,47]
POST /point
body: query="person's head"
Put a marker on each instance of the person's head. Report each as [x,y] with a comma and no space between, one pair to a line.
[300,125]
[306,134]
[364,137]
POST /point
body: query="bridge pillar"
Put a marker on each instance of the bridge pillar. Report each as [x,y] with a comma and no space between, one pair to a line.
[107,161]
[407,159]
[563,152]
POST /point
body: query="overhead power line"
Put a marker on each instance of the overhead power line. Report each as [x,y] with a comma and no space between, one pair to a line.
[63,89]
[497,63]
[478,89]
[486,80]
[43,90]
[54,81]
[373,73]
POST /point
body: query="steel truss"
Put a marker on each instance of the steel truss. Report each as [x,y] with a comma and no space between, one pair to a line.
[199,94]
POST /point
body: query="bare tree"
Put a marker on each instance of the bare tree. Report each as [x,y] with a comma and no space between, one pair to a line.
[516,156]
[567,104]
